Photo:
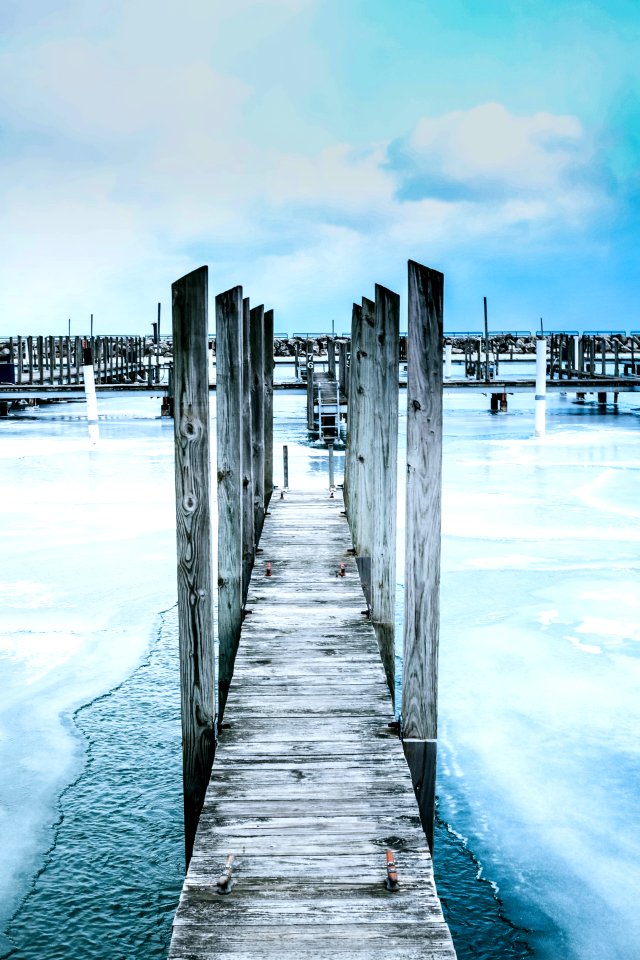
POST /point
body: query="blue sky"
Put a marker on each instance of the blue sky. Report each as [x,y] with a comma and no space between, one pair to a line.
[307,148]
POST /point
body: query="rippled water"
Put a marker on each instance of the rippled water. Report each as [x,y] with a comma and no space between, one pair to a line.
[553,525]
[108,887]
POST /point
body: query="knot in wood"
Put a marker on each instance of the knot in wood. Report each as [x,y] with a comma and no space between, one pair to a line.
[416,405]
[360,458]
[189,502]
[189,428]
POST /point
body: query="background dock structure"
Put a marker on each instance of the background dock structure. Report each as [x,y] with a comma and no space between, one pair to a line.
[308,811]
[602,363]
[55,361]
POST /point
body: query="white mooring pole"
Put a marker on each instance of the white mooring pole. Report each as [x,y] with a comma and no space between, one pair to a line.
[447,361]
[541,385]
[90,392]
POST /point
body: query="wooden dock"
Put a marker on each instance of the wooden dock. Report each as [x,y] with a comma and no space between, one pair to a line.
[309,785]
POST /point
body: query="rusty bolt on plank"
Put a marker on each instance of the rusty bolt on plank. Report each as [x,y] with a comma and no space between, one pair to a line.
[268,570]
[391,883]
[342,570]
[225,881]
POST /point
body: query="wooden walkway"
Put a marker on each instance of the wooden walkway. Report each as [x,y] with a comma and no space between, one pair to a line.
[309,785]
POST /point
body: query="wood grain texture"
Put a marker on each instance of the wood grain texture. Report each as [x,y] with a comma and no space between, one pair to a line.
[423,511]
[423,523]
[246,427]
[309,365]
[383,463]
[310,785]
[193,524]
[229,341]
[257,415]
[352,414]
[331,941]
[362,385]
[331,357]
[268,406]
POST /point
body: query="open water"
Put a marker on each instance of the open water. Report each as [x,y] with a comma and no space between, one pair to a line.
[539,766]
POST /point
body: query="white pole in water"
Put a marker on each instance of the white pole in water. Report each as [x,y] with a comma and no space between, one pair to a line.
[447,361]
[90,392]
[541,385]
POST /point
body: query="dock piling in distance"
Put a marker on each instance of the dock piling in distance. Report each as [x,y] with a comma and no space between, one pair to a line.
[350,501]
[245,427]
[268,406]
[193,534]
[229,345]
[256,352]
[422,539]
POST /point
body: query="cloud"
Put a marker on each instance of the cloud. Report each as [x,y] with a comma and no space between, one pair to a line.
[488,151]
[126,157]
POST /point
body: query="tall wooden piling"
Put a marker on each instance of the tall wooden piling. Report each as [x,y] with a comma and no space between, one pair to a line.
[362,415]
[371,459]
[41,359]
[352,429]
[256,350]
[331,357]
[423,525]
[229,314]
[268,406]
[384,442]
[310,396]
[248,522]
[195,577]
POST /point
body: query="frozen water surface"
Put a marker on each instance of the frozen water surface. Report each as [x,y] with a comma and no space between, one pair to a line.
[539,764]
[540,665]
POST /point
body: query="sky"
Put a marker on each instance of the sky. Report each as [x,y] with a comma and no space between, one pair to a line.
[306,149]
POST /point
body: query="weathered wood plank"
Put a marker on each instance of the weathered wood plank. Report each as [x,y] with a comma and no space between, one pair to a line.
[229,342]
[310,785]
[422,551]
[193,524]
[268,406]
[357,870]
[383,456]
[256,334]
[259,905]
[321,942]
[246,426]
